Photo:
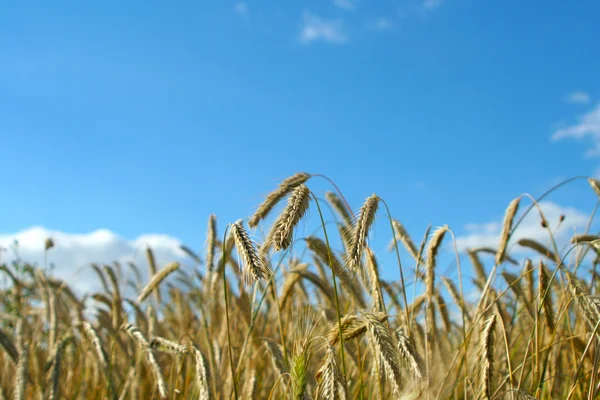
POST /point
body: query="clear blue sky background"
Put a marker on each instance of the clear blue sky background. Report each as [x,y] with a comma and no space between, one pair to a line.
[147,116]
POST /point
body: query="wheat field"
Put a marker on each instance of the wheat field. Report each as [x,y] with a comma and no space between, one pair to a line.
[285,315]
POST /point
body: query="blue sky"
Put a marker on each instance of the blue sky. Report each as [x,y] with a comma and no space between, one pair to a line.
[145,117]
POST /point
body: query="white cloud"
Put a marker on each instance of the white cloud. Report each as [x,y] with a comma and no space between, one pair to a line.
[73,253]
[578,97]
[382,24]
[242,8]
[316,28]
[588,126]
[349,5]
[488,234]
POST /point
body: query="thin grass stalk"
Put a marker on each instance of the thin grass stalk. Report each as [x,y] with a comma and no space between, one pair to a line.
[223,261]
[335,291]
[408,242]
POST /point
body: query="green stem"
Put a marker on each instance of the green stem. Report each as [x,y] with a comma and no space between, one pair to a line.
[224,260]
[335,292]
[399,264]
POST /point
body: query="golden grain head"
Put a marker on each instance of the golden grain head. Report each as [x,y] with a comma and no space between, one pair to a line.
[499,327]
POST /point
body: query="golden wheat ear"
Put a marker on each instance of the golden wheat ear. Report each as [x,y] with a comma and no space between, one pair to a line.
[275,196]
[282,232]
[361,229]
[509,216]
[254,268]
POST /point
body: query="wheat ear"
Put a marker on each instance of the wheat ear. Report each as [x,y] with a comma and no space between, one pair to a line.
[254,267]
[275,196]
[282,232]
[155,280]
[360,231]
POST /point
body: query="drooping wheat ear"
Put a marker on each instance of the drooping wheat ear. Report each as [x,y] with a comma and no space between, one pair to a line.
[411,360]
[543,286]
[168,346]
[288,287]
[361,230]
[509,216]
[112,277]
[339,206]
[320,250]
[404,237]
[282,232]
[477,266]
[387,351]
[416,305]
[152,269]
[155,280]
[486,358]
[443,309]
[584,238]
[275,196]
[101,276]
[55,363]
[540,248]
[93,337]
[589,305]
[202,374]
[20,379]
[143,344]
[330,381]
[211,243]
[456,297]
[595,184]
[352,327]
[250,386]
[254,267]
[9,347]
[515,284]
[276,353]
[374,286]
[313,278]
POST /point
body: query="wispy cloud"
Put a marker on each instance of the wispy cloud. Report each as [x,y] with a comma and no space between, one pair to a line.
[349,5]
[241,8]
[382,24]
[587,126]
[488,234]
[578,97]
[431,4]
[315,28]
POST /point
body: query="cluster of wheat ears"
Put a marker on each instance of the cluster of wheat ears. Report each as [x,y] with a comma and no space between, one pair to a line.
[297,318]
